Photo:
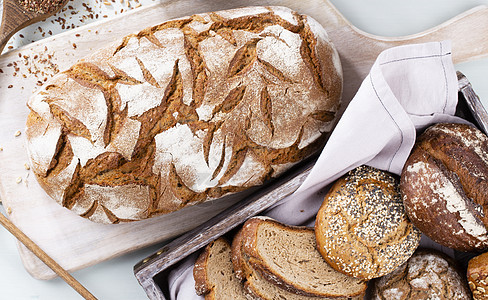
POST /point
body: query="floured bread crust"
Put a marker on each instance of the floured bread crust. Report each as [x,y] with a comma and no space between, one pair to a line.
[428,274]
[445,182]
[184,112]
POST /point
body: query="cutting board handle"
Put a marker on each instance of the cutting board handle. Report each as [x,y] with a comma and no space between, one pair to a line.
[468,32]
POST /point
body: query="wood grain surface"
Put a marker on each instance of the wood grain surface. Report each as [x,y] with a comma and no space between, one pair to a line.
[15,17]
[70,239]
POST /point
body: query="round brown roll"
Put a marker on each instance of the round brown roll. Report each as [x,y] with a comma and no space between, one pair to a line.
[361,228]
[444,186]
[428,274]
[478,276]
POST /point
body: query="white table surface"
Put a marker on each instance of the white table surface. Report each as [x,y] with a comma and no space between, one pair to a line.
[114,279]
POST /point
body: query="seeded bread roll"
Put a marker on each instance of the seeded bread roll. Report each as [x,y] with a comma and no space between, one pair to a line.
[184,112]
[444,186]
[428,274]
[477,274]
[214,274]
[361,228]
[287,257]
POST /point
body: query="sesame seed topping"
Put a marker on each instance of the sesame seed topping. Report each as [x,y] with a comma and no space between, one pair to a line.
[363,218]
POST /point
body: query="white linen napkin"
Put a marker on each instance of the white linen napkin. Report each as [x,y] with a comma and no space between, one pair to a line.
[408,88]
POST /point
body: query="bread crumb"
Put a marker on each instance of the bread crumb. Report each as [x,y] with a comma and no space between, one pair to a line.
[1,149]
[17,133]
[19,180]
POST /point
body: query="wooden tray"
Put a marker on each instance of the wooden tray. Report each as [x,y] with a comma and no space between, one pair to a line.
[152,272]
[68,238]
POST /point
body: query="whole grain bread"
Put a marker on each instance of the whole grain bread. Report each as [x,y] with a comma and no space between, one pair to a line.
[445,182]
[183,112]
[477,274]
[286,256]
[214,274]
[361,228]
[428,274]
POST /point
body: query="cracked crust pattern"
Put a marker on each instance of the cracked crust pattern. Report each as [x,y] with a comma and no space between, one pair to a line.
[445,182]
[184,112]
[361,228]
[428,274]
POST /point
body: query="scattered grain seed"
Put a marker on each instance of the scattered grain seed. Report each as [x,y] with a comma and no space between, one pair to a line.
[17,133]
[26,166]
[138,5]
[74,45]
[9,210]
[10,86]
[18,180]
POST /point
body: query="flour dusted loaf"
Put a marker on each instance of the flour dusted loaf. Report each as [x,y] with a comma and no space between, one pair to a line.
[428,274]
[184,112]
[287,259]
[444,186]
[361,227]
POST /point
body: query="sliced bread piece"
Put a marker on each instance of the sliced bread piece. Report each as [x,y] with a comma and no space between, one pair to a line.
[287,257]
[214,274]
[257,287]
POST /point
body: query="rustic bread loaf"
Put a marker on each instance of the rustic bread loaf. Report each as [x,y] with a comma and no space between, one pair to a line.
[428,274]
[287,257]
[361,228]
[214,274]
[444,186]
[477,274]
[184,112]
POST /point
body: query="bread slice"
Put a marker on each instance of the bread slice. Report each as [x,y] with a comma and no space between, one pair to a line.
[256,286]
[286,256]
[214,274]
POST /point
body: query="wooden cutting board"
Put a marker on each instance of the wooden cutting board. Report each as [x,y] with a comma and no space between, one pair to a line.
[75,242]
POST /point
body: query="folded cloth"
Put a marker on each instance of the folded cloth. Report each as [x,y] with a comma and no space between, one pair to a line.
[408,88]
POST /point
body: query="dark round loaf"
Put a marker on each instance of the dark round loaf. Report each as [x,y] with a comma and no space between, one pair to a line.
[477,274]
[361,228]
[428,274]
[444,186]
